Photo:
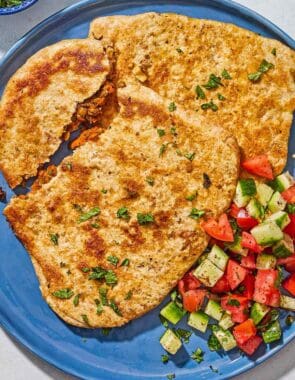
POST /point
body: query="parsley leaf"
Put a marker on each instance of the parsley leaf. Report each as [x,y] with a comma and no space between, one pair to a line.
[63,293]
[172,107]
[111,278]
[213,82]
[85,319]
[150,181]
[99,308]
[220,97]
[274,52]
[123,213]
[191,197]
[183,334]
[104,191]
[98,273]
[54,238]
[179,50]
[161,132]
[190,156]
[128,295]
[233,302]
[115,307]
[105,331]
[173,131]
[163,149]
[225,74]
[103,295]
[211,105]
[90,214]
[200,93]
[95,225]
[254,77]
[76,300]
[213,343]
[113,260]
[265,66]
[125,263]
[198,355]
[85,269]
[196,214]
[144,219]
[165,359]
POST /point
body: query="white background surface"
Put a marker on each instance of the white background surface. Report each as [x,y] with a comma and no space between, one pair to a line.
[16,363]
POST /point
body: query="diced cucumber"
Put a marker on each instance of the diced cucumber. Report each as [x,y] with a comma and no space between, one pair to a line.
[214,310]
[170,342]
[198,320]
[287,302]
[265,261]
[236,246]
[282,182]
[273,333]
[224,337]
[264,193]
[267,233]
[208,273]
[246,188]
[281,218]
[277,202]
[172,312]
[226,322]
[258,312]
[255,209]
[218,257]
[284,248]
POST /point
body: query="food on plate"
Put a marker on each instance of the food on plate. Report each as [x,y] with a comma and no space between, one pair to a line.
[39,102]
[238,79]
[241,284]
[119,223]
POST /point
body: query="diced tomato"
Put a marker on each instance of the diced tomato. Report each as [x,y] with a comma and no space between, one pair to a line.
[244,331]
[234,210]
[188,282]
[289,284]
[248,241]
[237,306]
[290,228]
[220,230]
[289,194]
[265,290]
[251,345]
[235,273]
[245,221]
[259,165]
[193,299]
[249,261]
[288,263]
[221,286]
[248,285]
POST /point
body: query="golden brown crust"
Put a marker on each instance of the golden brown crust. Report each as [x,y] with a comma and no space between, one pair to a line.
[258,114]
[159,253]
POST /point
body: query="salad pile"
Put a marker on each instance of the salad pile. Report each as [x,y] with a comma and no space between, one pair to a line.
[246,274]
[9,3]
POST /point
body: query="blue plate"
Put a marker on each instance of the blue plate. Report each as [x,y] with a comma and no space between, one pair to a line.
[17,8]
[133,351]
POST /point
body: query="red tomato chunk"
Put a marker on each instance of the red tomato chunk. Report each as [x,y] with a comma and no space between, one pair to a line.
[251,345]
[235,274]
[237,306]
[265,290]
[220,230]
[289,284]
[193,299]
[259,165]
[244,331]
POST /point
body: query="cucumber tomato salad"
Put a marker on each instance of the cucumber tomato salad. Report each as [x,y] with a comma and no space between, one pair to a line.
[246,274]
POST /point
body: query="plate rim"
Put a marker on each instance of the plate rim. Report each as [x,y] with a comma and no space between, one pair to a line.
[6,323]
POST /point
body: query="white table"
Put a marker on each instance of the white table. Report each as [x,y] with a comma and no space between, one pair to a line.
[16,363]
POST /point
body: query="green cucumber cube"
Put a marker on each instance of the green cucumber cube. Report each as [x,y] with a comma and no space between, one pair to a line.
[284,248]
[170,342]
[258,312]
[255,209]
[273,333]
[208,273]
[277,202]
[264,193]
[198,320]
[267,233]
[282,182]
[287,302]
[236,246]
[218,257]
[172,312]
[281,218]
[214,310]
[226,322]
[265,261]
[224,337]
[246,189]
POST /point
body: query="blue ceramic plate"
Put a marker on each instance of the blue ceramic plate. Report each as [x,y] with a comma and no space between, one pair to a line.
[132,352]
[17,8]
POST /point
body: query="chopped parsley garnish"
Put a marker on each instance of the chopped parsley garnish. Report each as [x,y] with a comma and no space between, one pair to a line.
[99,273]
[191,197]
[179,50]
[213,82]
[290,319]
[274,52]
[171,376]
[211,105]
[206,181]
[113,260]
[233,302]
[104,191]
[291,208]
[85,269]
[183,334]
[165,359]
[85,319]
[54,238]
[69,166]
[123,213]
[163,149]
[150,181]
[254,77]
[9,3]
[213,343]
[63,293]
[173,131]
[225,74]
[76,300]
[103,292]
[164,321]
[111,278]
[178,152]
[115,307]
[161,132]
[105,331]
[196,214]
[220,97]
[125,263]
[200,93]
[89,214]
[128,295]
[198,355]
[172,107]
[190,156]
[144,219]
[95,225]
[263,68]
[99,308]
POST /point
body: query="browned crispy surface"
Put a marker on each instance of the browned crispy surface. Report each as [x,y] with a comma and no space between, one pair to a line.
[122,160]
[40,99]
[172,54]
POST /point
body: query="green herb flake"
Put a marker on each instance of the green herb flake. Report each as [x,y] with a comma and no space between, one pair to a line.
[95,225]
[123,213]
[9,3]
[172,107]
[190,156]
[103,295]
[211,105]
[164,321]
[98,273]
[254,77]
[128,295]
[89,214]
[200,93]
[220,97]
[125,263]
[104,191]
[183,334]
[99,307]
[191,197]
[213,82]
[173,131]
[171,376]
[291,208]
[290,319]
[180,51]
[165,359]
[85,270]
[76,300]
[113,260]
[196,214]
[198,355]
[111,278]
[265,66]
[274,52]
[150,181]
[115,307]
[161,132]
[206,181]
[163,149]
[105,331]
[233,302]
[225,74]
[178,152]
[85,319]
[54,238]
[144,219]
[63,293]
[213,343]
